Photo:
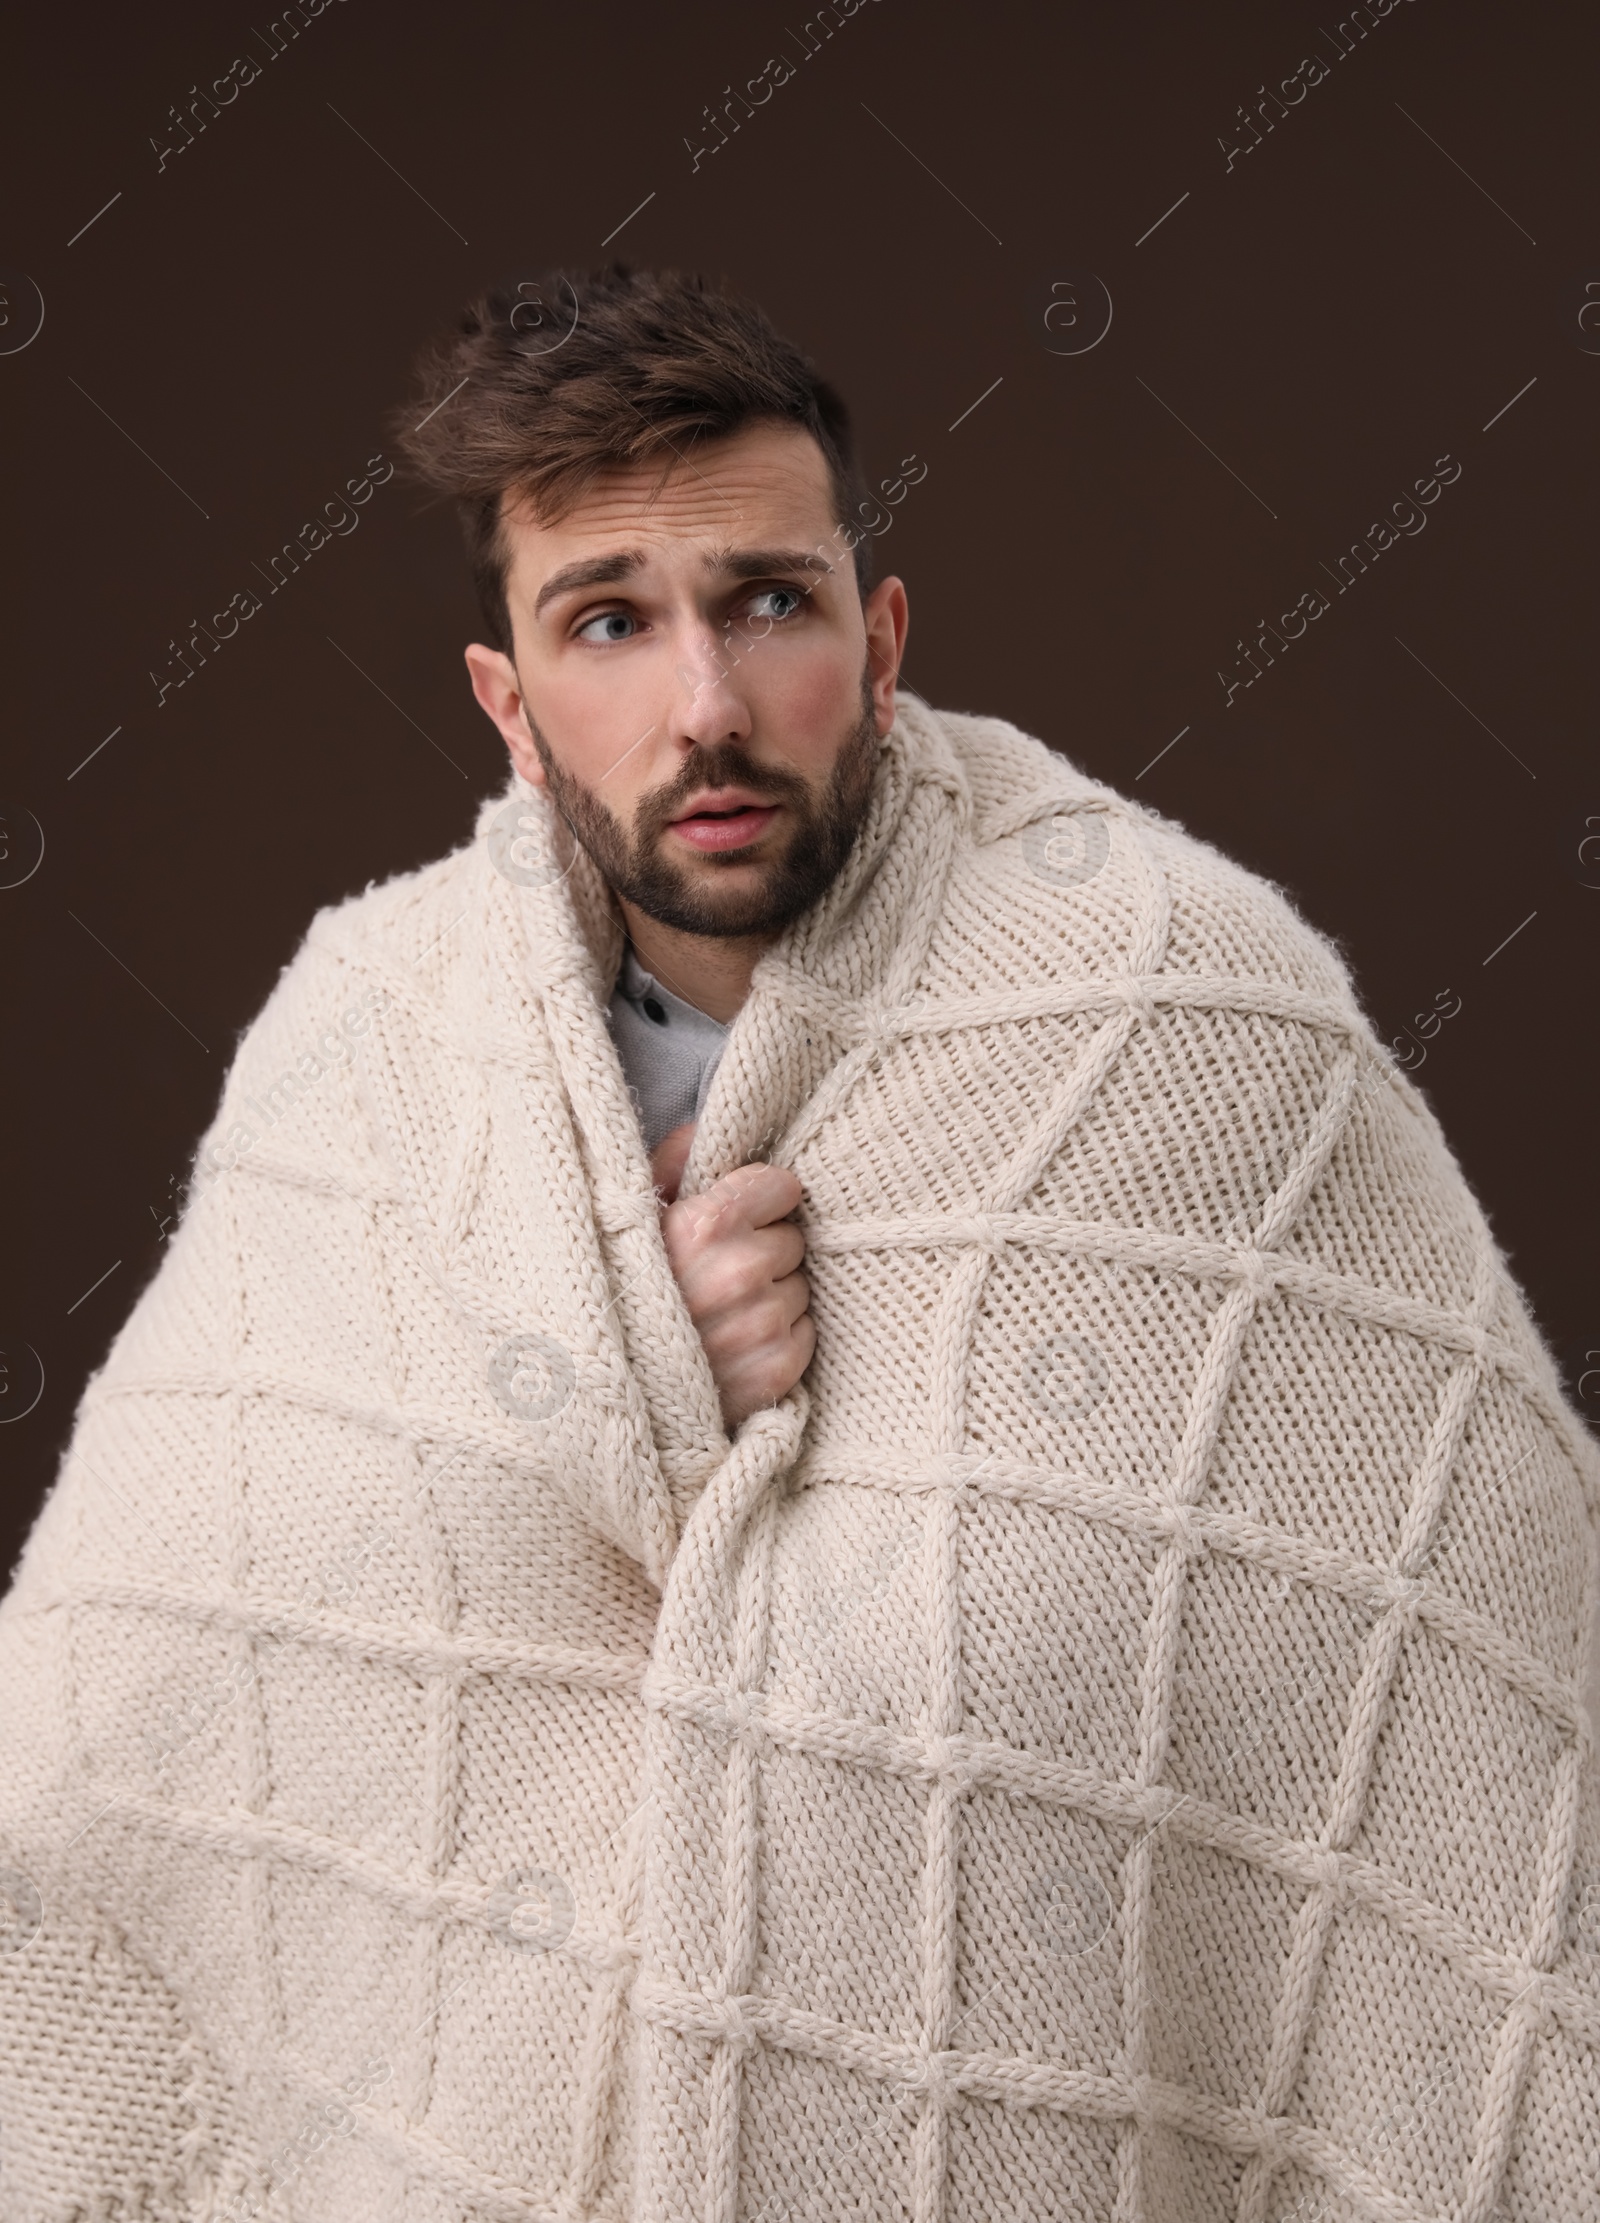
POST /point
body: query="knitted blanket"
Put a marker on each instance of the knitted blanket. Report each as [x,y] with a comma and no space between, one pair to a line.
[1111,1745]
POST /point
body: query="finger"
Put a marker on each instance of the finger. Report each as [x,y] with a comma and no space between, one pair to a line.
[761,1378]
[668,1159]
[760,1329]
[776,1251]
[730,1275]
[750,1196]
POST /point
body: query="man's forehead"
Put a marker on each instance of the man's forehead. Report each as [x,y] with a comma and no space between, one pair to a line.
[765,487]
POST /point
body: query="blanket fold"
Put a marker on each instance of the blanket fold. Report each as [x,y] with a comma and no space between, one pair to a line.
[1111,1744]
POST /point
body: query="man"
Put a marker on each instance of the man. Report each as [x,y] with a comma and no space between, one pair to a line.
[848,1518]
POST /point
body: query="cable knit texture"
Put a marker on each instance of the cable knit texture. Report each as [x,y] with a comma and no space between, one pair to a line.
[1110,1746]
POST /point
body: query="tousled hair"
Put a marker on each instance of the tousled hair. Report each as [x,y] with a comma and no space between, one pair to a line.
[545,383]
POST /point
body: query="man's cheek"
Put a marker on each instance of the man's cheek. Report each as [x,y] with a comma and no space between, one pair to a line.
[610,730]
[808,708]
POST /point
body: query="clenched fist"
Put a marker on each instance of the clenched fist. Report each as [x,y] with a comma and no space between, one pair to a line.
[737,1256]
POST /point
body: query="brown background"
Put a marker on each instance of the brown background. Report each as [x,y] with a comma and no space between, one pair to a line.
[1338,310]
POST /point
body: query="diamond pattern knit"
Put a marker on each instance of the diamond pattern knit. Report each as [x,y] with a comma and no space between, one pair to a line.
[1112,1745]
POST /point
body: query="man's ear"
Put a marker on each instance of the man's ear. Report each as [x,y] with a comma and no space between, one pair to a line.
[888,620]
[499,693]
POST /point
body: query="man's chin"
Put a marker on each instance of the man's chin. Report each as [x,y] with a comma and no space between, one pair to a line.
[725,895]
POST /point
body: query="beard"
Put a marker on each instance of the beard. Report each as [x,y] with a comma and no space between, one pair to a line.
[634,866]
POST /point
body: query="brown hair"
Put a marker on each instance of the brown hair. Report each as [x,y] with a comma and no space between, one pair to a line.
[544,384]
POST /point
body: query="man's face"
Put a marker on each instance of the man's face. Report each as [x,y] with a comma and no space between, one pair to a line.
[697,682]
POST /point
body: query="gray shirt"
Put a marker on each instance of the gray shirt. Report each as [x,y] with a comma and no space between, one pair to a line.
[669,1050]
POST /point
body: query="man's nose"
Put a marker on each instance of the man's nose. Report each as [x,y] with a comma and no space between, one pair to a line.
[707,706]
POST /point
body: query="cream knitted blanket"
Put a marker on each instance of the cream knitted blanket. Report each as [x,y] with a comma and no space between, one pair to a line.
[1110,1746]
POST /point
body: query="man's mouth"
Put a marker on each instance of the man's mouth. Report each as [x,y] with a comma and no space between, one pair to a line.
[729,818]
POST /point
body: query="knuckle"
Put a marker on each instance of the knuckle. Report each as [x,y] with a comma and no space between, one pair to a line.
[768,1190]
[728,1283]
[698,1219]
[729,1342]
[789,1248]
[695,1235]
[782,1195]
[733,1192]
[773,1377]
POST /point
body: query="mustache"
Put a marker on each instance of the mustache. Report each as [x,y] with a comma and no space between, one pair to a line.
[726,764]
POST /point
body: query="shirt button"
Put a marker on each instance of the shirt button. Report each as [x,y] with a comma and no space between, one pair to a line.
[653,1010]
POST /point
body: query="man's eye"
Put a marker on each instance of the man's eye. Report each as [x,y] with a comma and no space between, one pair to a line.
[613,625]
[776,602]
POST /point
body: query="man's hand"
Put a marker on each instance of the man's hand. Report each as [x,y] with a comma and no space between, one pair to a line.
[736,1257]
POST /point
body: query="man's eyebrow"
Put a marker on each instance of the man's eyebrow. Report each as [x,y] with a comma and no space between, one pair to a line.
[595,571]
[761,563]
[732,563]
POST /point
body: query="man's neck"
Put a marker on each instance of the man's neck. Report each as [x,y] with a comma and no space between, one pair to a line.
[706,970]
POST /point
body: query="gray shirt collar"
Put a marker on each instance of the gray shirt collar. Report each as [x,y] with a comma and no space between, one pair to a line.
[669,1049]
